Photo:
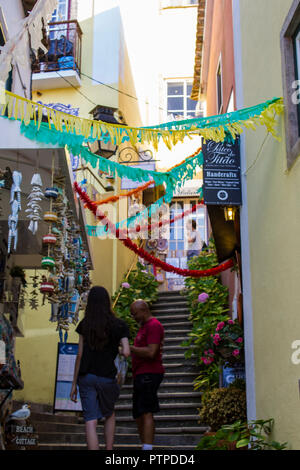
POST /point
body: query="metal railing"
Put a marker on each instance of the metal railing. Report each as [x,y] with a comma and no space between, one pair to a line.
[63,41]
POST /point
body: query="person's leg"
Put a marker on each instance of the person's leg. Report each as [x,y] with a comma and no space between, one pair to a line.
[148,428]
[91,434]
[140,426]
[109,431]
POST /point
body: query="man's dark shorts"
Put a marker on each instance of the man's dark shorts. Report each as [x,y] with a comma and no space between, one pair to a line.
[145,399]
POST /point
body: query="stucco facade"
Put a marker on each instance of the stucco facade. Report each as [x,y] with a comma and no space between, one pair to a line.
[270,226]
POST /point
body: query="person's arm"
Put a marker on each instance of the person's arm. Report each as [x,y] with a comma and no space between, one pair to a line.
[125,348]
[146,352]
[73,394]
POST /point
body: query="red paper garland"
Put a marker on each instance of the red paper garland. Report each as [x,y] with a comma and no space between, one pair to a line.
[144,254]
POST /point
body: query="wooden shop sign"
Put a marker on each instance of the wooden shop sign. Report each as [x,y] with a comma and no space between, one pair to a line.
[20,436]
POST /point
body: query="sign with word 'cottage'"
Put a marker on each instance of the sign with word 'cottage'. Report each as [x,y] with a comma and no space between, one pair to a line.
[222,173]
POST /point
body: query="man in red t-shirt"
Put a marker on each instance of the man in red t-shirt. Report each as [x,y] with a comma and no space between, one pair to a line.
[147,370]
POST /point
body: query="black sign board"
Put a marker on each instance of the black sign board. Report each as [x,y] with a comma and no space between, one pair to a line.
[222,173]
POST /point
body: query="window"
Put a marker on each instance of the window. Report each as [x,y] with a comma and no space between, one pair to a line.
[219,87]
[177,228]
[179,104]
[178,3]
[61,12]
[290,55]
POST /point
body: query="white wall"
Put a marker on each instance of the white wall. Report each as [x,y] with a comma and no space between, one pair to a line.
[13,13]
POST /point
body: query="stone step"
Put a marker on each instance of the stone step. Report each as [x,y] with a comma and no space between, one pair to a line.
[167,408]
[180,324]
[165,305]
[171,333]
[169,318]
[175,312]
[167,398]
[170,387]
[125,447]
[176,358]
[45,427]
[175,339]
[120,439]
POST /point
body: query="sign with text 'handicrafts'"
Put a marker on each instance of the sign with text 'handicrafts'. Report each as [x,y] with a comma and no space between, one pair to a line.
[222,173]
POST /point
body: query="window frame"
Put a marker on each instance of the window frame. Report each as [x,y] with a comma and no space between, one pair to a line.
[289,63]
[186,81]
[182,4]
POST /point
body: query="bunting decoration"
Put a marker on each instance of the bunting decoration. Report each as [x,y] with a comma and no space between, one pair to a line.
[173,178]
[96,231]
[212,128]
[144,254]
[141,188]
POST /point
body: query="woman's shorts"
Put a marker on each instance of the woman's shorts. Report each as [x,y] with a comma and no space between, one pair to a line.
[145,399]
[98,396]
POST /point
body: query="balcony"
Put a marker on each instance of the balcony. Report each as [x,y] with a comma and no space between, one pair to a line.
[60,66]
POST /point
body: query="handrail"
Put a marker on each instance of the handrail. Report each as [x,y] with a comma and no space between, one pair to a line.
[128,273]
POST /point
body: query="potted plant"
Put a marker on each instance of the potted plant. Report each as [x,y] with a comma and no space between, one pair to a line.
[254,435]
[223,406]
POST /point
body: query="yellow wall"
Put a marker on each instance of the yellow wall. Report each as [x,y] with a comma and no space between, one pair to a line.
[274,226]
[37,352]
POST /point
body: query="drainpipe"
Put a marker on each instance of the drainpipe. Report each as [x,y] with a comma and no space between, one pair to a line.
[245,246]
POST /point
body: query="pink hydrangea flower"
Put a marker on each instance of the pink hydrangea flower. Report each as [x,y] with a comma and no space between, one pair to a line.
[220,326]
[211,352]
[239,340]
[202,298]
[236,353]
[230,322]
[126,285]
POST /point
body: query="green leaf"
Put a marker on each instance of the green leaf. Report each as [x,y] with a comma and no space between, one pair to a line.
[242,443]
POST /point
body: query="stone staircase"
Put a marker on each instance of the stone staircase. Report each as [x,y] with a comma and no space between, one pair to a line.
[177,426]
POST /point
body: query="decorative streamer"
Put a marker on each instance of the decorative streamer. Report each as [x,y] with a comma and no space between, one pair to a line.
[173,178]
[212,128]
[144,186]
[145,255]
[93,230]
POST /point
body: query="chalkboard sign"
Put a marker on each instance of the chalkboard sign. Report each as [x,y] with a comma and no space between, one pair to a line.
[222,173]
[66,357]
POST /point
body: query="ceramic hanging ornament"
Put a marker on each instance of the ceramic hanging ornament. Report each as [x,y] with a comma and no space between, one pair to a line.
[15,203]
[33,206]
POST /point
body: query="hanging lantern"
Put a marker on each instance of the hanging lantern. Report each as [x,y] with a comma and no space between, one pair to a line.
[48,262]
[51,192]
[50,216]
[47,287]
[229,213]
[49,239]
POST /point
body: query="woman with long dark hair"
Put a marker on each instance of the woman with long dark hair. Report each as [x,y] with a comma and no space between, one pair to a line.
[100,335]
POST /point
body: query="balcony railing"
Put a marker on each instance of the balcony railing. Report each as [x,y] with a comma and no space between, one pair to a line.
[63,41]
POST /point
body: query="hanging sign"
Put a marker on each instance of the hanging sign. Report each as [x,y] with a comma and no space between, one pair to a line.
[222,173]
